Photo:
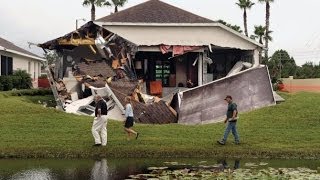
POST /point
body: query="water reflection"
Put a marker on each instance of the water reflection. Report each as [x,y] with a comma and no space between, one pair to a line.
[33,169]
[225,165]
[100,170]
[34,174]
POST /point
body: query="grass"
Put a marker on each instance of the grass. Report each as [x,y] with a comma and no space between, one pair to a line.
[288,130]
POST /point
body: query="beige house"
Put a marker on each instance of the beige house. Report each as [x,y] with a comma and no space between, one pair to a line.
[14,58]
[206,50]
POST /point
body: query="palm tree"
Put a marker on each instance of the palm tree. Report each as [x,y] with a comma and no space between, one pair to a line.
[93,4]
[259,32]
[267,36]
[267,22]
[116,4]
[245,4]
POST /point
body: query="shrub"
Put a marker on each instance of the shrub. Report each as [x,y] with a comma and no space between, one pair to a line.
[43,76]
[19,80]
[25,82]
[31,92]
[9,82]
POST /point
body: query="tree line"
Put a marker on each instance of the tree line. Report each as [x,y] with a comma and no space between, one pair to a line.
[282,65]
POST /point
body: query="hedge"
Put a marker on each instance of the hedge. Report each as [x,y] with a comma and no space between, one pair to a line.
[30,92]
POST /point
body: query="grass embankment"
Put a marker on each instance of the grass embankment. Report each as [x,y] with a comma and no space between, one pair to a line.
[288,130]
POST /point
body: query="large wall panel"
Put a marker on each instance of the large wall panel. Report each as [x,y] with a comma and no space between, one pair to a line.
[250,89]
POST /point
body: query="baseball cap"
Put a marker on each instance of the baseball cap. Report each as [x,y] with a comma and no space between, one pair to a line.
[228,97]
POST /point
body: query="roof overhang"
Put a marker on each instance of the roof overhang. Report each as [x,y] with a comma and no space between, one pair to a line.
[21,54]
[188,34]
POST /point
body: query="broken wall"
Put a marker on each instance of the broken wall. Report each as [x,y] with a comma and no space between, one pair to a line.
[250,89]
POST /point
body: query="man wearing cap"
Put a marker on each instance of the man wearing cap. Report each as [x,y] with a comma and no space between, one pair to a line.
[99,126]
[232,117]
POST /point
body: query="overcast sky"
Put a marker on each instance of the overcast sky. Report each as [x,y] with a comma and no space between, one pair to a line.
[295,24]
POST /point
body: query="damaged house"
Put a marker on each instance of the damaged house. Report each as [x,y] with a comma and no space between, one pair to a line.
[177,66]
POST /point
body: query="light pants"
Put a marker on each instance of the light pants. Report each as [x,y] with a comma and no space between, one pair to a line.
[99,130]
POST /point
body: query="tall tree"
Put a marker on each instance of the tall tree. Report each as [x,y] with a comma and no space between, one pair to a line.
[259,32]
[93,4]
[116,4]
[281,65]
[267,23]
[245,5]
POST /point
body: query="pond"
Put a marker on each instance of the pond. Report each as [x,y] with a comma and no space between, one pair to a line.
[49,169]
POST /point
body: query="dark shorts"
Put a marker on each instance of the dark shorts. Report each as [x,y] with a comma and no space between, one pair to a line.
[129,122]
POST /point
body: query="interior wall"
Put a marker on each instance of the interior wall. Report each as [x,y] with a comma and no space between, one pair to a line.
[223,62]
[181,72]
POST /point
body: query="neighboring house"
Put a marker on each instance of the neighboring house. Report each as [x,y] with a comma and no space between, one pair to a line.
[14,58]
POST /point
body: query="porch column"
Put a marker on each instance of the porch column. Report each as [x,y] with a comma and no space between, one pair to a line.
[256,58]
[200,70]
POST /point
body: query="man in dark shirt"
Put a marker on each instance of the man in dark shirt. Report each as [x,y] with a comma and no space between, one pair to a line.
[232,117]
[99,126]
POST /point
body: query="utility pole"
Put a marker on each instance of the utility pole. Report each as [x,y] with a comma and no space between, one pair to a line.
[82,19]
[280,63]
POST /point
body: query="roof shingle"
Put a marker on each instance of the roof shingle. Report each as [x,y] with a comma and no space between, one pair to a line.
[9,45]
[154,11]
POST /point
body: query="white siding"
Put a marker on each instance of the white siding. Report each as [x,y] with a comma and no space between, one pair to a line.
[21,62]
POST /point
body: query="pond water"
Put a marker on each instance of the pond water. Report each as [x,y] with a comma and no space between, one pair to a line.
[49,169]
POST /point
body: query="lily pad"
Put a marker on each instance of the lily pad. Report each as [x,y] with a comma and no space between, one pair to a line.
[157,168]
[263,164]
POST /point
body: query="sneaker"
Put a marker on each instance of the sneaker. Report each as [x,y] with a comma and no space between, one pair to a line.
[137,135]
[221,142]
[96,145]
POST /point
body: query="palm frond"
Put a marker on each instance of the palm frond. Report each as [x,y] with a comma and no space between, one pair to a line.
[86,3]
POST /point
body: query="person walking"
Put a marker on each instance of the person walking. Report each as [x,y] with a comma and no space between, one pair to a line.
[129,119]
[231,120]
[99,126]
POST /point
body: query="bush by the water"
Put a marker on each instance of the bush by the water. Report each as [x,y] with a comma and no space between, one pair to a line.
[19,80]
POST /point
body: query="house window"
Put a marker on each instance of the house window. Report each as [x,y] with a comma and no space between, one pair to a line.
[29,67]
[6,65]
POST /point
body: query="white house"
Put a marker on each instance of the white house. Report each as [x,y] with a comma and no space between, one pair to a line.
[14,58]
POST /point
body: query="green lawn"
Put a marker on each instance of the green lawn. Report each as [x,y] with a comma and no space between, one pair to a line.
[288,130]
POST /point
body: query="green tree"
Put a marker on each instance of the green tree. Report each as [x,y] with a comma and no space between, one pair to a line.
[267,23]
[93,4]
[51,57]
[308,70]
[116,4]
[234,27]
[245,5]
[281,65]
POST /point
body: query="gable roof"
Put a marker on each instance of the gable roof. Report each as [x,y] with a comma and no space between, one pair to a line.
[7,45]
[154,11]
